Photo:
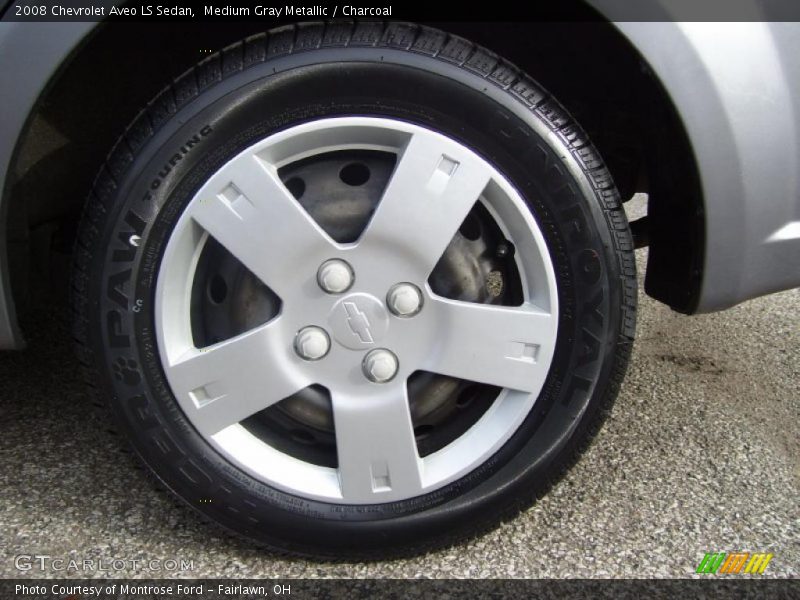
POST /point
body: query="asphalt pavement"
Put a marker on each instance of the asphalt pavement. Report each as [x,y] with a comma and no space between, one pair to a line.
[699,455]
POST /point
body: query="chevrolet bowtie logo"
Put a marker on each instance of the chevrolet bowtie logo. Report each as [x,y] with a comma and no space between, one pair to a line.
[358,323]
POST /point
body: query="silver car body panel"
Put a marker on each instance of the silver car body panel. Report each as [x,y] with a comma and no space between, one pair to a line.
[736,86]
[30,54]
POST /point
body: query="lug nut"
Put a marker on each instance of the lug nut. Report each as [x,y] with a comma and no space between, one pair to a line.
[380,365]
[404,300]
[312,343]
[335,276]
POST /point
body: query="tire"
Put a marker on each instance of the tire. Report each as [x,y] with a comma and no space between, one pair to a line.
[550,223]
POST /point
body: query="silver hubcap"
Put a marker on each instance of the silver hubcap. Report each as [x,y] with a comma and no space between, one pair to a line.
[356,314]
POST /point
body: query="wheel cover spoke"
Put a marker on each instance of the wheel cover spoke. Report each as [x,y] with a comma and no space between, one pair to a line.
[433,188]
[376,446]
[223,384]
[496,345]
[247,209]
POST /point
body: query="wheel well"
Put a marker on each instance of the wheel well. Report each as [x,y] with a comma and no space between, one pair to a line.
[589,67]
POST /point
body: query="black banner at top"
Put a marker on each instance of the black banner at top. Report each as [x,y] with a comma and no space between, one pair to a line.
[209,11]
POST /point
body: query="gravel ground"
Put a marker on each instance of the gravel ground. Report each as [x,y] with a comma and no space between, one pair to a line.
[700,455]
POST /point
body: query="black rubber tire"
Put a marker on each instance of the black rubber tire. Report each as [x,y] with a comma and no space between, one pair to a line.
[295,74]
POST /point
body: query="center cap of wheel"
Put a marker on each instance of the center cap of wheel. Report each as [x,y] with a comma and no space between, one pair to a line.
[358,321]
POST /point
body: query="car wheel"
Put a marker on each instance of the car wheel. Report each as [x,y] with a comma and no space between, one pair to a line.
[355,290]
